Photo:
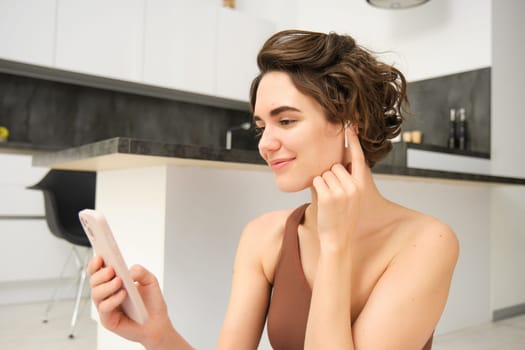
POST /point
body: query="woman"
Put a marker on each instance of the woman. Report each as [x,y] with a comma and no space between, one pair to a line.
[350,270]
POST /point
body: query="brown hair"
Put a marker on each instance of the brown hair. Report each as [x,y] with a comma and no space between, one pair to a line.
[347,81]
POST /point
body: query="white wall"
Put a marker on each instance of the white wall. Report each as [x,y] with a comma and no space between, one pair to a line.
[34,256]
[508,154]
[441,37]
[283,13]
[508,87]
[507,247]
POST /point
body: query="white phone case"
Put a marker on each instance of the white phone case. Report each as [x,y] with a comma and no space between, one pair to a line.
[104,245]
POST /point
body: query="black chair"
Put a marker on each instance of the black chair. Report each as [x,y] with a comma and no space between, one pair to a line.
[65,194]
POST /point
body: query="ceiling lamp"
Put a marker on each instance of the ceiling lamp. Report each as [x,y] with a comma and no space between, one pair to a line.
[396,4]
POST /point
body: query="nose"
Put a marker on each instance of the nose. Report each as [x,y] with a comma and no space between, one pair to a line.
[269,142]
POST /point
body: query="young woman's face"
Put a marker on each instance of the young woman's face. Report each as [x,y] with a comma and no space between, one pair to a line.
[297,141]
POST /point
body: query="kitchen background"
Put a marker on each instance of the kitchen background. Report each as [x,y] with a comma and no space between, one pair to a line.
[77,69]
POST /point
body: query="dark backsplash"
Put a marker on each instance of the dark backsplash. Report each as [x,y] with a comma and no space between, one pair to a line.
[431,101]
[53,114]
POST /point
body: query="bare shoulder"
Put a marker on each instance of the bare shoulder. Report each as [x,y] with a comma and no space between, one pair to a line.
[435,234]
[426,236]
[266,226]
[262,237]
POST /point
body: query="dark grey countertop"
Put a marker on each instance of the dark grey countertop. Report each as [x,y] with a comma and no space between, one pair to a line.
[24,148]
[123,145]
[445,175]
[441,149]
[147,149]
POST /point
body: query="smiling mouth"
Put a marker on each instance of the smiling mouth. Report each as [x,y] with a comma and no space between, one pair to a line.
[279,164]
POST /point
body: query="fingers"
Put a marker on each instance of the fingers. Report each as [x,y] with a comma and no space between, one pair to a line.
[142,276]
[104,283]
[106,287]
[336,182]
[320,186]
[333,182]
[94,264]
[102,275]
[111,303]
[343,176]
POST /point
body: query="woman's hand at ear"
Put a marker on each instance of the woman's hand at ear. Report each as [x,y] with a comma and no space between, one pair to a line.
[339,196]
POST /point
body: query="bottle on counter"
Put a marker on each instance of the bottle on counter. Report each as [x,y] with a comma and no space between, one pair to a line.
[452,129]
[462,132]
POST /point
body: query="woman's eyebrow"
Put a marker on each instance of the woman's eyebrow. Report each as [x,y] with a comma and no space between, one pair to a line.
[277,111]
[281,109]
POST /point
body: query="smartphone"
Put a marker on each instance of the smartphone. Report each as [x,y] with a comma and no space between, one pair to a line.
[104,245]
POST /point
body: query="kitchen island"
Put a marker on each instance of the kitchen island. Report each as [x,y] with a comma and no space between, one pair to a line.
[179,210]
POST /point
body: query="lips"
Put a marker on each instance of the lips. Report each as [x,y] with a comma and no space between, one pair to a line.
[279,163]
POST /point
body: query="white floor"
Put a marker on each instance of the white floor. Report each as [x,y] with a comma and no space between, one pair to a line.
[21,328]
[507,334]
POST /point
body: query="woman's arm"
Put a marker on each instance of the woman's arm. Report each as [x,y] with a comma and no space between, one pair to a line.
[404,307]
[329,317]
[337,193]
[337,211]
[409,298]
[250,292]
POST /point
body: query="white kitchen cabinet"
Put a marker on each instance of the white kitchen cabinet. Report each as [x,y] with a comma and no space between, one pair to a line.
[179,44]
[239,39]
[101,37]
[195,46]
[27,29]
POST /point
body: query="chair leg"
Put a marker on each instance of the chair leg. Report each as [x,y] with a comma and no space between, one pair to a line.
[53,299]
[83,265]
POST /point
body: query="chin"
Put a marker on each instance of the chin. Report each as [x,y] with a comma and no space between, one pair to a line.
[289,185]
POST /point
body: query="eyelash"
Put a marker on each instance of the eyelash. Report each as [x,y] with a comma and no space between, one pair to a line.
[282,122]
[286,122]
[258,131]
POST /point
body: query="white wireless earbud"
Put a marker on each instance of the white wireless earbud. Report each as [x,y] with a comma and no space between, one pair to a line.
[347,123]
